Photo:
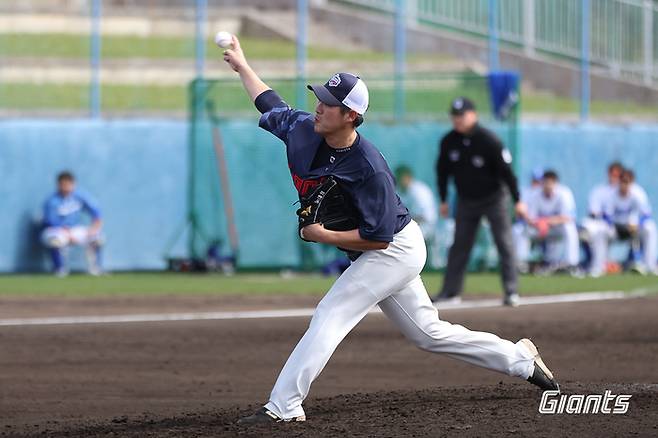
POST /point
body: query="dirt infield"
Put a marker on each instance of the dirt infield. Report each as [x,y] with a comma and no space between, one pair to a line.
[195,378]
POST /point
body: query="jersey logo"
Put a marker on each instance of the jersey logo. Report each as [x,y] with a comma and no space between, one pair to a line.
[307,211]
[303,186]
[454,155]
[332,159]
[335,80]
[477,161]
[69,207]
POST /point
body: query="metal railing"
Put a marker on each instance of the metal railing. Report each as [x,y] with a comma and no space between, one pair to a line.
[623,33]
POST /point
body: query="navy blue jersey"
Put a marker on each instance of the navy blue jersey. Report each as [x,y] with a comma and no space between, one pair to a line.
[361,168]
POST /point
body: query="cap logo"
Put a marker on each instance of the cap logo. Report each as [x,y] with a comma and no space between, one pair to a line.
[335,80]
[459,103]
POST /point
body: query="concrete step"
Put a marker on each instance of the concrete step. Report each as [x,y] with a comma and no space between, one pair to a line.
[171,72]
[142,26]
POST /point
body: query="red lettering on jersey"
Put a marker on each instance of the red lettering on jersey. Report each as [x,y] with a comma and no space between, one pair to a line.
[304,185]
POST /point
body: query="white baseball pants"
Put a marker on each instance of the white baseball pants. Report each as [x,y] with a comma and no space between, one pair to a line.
[601,234]
[59,237]
[598,232]
[562,244]
[649,239]
[388,278]
[522,242]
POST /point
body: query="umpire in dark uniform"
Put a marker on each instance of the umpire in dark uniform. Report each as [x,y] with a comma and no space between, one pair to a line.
[480,167]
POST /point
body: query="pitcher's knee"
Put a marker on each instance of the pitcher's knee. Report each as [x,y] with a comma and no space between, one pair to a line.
[427,341]
[426,344]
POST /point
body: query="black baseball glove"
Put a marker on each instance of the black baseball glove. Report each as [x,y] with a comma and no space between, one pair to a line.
[328,205]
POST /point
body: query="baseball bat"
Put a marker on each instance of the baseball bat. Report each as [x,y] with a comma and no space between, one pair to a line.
[222,169]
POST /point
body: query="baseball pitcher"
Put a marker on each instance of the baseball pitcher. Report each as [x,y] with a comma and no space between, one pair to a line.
[348,199]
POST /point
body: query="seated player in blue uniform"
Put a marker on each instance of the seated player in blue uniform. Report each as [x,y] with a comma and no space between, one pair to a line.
[64,226]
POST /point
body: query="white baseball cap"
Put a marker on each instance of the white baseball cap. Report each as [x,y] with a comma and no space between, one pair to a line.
[343,89]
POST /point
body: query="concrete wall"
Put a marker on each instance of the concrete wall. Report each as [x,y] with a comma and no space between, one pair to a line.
[581,153]
[137,169]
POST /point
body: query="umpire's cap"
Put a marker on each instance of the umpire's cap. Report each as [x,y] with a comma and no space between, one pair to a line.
[343,89]
[460,105]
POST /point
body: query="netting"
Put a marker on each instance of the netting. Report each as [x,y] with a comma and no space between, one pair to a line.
[224,121]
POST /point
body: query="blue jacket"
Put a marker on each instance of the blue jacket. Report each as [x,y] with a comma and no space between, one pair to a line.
[59,211]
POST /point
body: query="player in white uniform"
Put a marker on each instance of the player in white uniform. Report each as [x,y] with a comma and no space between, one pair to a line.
[596,229]
[552,214]
[628,214]
[520,229]
[419,199]
[389,245]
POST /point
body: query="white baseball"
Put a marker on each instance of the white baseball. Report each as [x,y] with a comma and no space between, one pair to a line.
[223,39]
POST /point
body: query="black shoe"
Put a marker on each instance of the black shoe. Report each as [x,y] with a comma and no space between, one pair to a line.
[542,376]
[265,416]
